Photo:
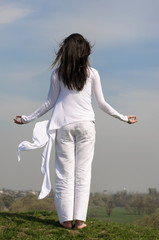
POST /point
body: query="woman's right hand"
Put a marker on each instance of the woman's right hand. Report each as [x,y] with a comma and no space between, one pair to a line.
[18,120]
[132,119]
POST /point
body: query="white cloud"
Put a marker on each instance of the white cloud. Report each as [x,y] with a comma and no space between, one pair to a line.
[10,13]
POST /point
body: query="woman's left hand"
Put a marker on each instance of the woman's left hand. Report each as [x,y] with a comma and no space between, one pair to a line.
[132,119]
[18,120]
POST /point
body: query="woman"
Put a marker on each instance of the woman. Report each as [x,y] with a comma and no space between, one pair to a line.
[72,128]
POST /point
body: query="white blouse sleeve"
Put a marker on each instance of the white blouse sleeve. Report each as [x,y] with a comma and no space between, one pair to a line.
[50,102]
[100,101]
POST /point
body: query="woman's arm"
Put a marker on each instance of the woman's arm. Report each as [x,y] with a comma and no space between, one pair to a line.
[103,105]
[50,102]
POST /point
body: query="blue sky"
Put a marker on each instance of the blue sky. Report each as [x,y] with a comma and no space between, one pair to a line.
[126,53]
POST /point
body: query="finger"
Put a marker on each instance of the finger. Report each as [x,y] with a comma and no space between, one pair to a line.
[17,117]
[136,120]
[131,121]
[18,121]
[132,117]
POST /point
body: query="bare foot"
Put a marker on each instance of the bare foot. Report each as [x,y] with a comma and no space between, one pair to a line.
[67,224]
[80,224]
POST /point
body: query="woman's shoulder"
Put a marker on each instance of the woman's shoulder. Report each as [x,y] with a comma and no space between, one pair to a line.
[54,71]
[93,72]
[92,69]
[54,74]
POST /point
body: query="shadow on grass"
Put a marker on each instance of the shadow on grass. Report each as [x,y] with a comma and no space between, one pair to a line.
[28,216]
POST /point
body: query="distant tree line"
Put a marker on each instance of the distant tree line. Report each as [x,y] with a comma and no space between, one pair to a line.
[135,203]
[141,204]
[29,202]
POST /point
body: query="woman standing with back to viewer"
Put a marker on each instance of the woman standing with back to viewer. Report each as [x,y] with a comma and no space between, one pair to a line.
[72,128]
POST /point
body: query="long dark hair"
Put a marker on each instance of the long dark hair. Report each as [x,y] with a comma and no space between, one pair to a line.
[73,62]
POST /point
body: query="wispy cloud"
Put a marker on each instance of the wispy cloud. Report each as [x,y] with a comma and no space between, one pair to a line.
[9,13]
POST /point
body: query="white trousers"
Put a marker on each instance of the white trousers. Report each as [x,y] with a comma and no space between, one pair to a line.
[74,146]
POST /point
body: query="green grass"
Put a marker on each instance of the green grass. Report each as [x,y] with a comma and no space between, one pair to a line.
[44,226]
[119,215]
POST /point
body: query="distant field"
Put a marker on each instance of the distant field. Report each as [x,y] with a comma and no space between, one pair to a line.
[42,225]
[119,215]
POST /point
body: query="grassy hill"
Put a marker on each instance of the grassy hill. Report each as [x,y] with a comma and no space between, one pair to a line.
[119,215]
[43,225]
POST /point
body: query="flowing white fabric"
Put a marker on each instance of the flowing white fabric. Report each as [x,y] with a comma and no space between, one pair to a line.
[41,138]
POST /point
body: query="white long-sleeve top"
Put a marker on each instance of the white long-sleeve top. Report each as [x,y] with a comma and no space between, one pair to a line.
[68,106]
[71,105]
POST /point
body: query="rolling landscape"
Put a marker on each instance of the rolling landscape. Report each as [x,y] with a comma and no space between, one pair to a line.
[121,216]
